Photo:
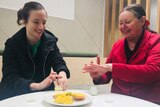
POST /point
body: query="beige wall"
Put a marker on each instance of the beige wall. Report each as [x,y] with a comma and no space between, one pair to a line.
[75,65]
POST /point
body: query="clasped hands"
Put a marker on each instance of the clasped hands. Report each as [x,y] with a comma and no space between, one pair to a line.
[97,69]
[60,79]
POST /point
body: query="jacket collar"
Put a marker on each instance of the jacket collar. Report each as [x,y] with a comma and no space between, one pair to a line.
[144,40]
[47,38]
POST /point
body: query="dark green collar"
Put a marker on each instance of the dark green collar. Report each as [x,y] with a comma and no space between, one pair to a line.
[35,47]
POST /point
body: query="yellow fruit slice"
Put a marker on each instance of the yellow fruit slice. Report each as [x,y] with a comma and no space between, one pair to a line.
[78,96]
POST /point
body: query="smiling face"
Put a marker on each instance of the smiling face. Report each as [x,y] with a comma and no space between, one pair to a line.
[35,25]
[130,26]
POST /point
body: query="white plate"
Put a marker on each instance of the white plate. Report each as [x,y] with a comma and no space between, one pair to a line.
[48,98]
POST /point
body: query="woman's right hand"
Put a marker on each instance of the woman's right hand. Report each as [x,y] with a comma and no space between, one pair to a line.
[45,83]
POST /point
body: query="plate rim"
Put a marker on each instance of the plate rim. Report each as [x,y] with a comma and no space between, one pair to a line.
[47,95]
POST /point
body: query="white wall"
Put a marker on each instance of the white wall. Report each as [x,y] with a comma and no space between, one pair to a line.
[84,34]
[62,8]
[153,17]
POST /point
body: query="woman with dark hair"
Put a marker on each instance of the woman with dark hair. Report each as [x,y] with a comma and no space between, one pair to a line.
[134,61]
[30,54]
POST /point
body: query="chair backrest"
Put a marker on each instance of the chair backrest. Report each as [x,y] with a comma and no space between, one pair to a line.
[75,65]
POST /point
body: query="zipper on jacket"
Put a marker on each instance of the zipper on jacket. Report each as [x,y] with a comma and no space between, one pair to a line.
[45,62]
[32,63]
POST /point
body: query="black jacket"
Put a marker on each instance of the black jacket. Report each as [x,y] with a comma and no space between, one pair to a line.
[20,68]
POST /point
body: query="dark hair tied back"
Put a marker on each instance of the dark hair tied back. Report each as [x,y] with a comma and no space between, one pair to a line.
[23,14]
[19,17]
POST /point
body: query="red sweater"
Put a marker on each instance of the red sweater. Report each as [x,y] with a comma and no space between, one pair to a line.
[141,76]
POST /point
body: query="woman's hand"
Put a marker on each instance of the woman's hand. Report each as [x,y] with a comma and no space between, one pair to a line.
[46,82]
[95,69]
[63,81]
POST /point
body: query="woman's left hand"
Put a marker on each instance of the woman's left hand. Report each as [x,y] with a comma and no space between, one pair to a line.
[63,81]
